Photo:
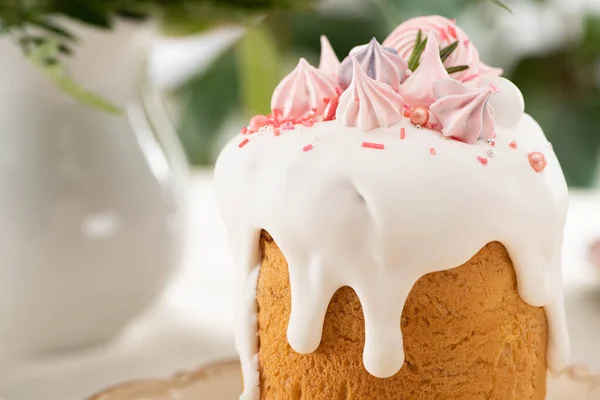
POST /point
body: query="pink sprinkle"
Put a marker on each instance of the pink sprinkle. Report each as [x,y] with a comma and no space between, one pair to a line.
[276,132]
[443,35]
[432,151]
[371,145]
[402,133]
[494,88]
[407,113]
[314,109]
[513,144]
[494,135]
[429,125]
[452,31]
[482,160]
[243,143]
[244,130]
[493,144]
[331,109]
[466,42]
[308,147]
[287,126]
[307,123]
[407,107]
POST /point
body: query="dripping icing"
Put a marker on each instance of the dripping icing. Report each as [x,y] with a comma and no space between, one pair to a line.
[381,247]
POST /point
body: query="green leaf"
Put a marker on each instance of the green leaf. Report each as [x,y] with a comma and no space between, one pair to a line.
[458,68]
[448,50]
[45,56]
[91,12]
[55,29]
[259,72]
[502,4]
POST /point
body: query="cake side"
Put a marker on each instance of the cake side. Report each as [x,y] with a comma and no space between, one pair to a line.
[467,335]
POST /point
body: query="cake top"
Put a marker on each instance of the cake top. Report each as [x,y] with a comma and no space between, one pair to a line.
[404,159]
[427,70]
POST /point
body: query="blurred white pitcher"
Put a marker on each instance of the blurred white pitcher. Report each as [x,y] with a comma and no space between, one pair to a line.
[90,208]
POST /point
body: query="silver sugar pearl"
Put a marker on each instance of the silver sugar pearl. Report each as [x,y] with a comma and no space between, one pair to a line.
[490,153]
[489,141]
[418,126]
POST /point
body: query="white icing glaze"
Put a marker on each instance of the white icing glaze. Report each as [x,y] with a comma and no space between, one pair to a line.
[368,104]
[378,220]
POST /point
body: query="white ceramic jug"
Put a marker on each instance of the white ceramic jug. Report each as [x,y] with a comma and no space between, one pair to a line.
[90,205]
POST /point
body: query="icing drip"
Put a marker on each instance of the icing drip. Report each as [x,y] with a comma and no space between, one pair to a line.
[463,112]
[329,61]
[417,90]
[368,104]
[345,215]
[447,32]
[303,92]
[380,64]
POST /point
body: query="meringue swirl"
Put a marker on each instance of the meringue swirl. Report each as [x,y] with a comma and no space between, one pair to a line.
[381,64]
[304,91]
[447,32]
[464,112]
[417,90]
[329,62]
[368,104]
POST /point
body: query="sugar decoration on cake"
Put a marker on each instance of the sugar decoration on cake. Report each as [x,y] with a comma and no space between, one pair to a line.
[381,64]
[367,103]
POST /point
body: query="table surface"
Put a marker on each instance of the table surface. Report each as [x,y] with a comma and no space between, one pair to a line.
[191,324]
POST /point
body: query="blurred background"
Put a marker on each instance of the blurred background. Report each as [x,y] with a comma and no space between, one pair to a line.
[114,262]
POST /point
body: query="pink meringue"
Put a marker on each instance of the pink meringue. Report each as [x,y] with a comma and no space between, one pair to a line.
[464,112]
[417,90]
[305,90]
[329,63]
[486,71]
[380,64]
[447,32]
[368,104]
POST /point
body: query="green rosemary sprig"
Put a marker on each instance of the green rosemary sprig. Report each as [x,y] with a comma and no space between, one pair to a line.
[415,57]
[446,51]
[457,68]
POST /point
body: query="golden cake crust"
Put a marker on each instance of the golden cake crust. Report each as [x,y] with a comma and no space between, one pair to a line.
[467,336]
